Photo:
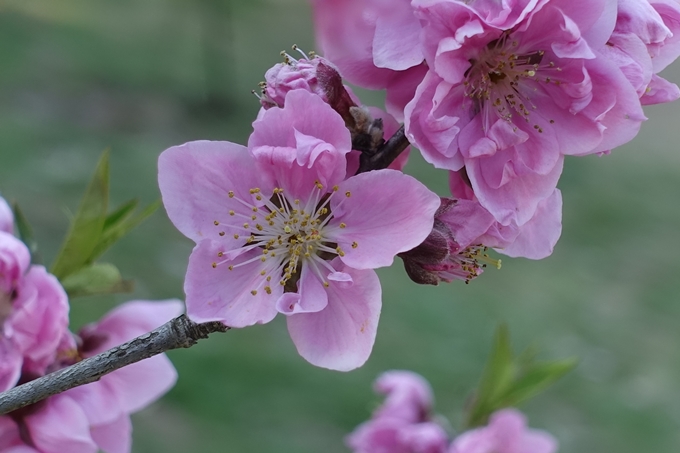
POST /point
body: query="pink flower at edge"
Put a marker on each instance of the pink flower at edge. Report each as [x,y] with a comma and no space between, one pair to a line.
[6,217]
[402,424]
[508,104]
[280,230]
[506,432]
[33,313]
[95,416]
[375,45]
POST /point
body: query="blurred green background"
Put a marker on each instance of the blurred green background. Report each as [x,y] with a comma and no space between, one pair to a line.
[79,76]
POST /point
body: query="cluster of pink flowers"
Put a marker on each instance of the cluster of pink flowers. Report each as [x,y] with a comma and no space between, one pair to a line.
[404,423]
[35,340]
[498,93]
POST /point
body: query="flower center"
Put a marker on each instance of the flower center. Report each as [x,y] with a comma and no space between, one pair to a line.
[503,79]
[288,234]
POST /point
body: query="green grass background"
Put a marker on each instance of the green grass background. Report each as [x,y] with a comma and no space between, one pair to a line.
[79,76]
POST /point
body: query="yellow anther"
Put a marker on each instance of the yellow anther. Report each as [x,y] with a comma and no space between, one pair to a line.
[236,236]
[254,292]
[231,194]
[220,254]
[231,212]
[246,225]
[263,272]
[355,245]
[221,233]
[348,194]
[214,265]
[231,268]
[216,222]
[258,198]
[253,217]
[267,290]
[325,284]
[336,188]
[343,225]
[263,259]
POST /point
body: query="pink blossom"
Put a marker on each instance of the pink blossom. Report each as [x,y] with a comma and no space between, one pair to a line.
[508,103]
[402,424]
[6,217]
[95,416]
[534,239]
[280,230]
[33,313]
[645,40]
[374,43]
[506,432]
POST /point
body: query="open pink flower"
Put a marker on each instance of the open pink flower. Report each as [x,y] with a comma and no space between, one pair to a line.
[96,416]
[6,217]
[33,313]
[508,103]
[506,432]
[402,424]
[280,230]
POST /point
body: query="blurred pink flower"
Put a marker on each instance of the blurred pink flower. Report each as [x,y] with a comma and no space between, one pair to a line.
[506,432]
[507,104]
[402,424]
[96,416]
[6,217]
[33,313]
[280,230]
[375,45]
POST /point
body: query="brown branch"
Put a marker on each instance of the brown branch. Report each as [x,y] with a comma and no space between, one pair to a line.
[386,154]
[174,334]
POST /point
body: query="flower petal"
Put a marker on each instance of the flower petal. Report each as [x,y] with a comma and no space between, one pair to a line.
[386,213]
[218,294]
[60,426]
[115,437]
[341,336]
[195,180]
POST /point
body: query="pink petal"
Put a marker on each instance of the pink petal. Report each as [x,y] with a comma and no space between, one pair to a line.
[306,137]
[400,216]
[408,396]
[10,364]
[60,426]
[115,437]
[538,236]
[218,294]
[341,336]
[311,296]
[98,401]
[195,180]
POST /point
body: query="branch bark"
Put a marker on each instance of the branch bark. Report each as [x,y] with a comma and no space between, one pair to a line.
[386,154]
[177,333]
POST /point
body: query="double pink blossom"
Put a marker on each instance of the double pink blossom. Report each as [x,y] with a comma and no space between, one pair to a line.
[279,229]
[645,40]
[33,313]
[95,416]
[403,423]
[508,102]
[506,432]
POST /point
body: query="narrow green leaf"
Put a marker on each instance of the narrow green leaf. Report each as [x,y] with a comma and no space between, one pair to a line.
[120,214]
[26,234]
[496,379]
[87,225]
[98,278]
[535,380]
[113,231]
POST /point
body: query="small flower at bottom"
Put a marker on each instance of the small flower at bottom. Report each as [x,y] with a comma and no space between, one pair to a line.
[96,416]
[279,230]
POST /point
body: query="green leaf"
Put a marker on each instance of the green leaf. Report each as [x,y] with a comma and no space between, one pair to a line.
[88,224]
[26,234]
[535,380]
[119,223]
[99,278]
[496,379]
